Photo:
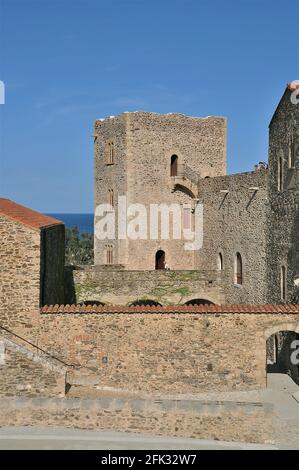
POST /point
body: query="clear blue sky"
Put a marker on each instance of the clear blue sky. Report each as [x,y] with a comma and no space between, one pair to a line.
[67,62]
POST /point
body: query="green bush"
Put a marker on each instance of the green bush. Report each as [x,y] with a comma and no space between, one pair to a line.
[78,249]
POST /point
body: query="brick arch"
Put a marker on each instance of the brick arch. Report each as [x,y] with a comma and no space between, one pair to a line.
[185,189]
[285,326]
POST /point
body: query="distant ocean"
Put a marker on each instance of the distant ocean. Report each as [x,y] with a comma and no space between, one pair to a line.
[84,222]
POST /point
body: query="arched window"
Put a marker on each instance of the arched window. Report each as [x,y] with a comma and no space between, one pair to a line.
[280,174]
[174,165]
[238,270]
[283,292]
[160,260]
[220,262]
[109,153]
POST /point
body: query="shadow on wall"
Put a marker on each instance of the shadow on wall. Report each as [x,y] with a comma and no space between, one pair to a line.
[151,303]
[69,286]
[92,302]
[199,302]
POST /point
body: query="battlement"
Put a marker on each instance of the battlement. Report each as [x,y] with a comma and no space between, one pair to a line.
[131,115]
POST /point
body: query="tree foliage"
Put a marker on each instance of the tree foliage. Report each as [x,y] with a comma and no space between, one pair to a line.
[78,248]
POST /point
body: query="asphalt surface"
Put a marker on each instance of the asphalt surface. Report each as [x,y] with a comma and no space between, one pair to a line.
[27,438]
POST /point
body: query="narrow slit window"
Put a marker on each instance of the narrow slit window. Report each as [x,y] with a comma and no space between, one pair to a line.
[283,283]
[220,262]
[111,197]
[109,254]
[238,269]
[280,174]
[291,152]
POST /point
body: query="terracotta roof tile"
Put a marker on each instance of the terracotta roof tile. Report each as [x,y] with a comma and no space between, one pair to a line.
[25,216]
[171,309]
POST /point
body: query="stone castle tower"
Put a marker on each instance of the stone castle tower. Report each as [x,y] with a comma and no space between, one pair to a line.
[283,223]
[154,159]
[250,220]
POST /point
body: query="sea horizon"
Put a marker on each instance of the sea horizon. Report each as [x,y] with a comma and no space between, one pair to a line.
[82,220]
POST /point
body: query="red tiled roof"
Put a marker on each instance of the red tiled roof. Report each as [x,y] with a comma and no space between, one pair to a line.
[169,309]
[25,216]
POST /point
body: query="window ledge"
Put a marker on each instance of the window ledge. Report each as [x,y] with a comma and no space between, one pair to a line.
[238,285]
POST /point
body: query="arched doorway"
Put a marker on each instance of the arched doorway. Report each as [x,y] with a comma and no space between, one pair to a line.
[283,354]
[174,165]
[160,260]
[199,302]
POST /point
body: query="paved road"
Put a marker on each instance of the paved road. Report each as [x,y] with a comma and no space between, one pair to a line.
[64,439]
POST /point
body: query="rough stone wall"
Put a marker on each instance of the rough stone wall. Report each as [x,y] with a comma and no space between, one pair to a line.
[22,375]
[221,421]
[31,272]
[283,228]
[166,352]
[144,144]
[52,265]
[19,275]
[236,221]
[164,287]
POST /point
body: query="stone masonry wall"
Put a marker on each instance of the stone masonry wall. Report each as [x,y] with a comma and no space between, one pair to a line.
[164,287]
[19,275]
[221,421]
[22,375]
[142,350]
[235,220]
